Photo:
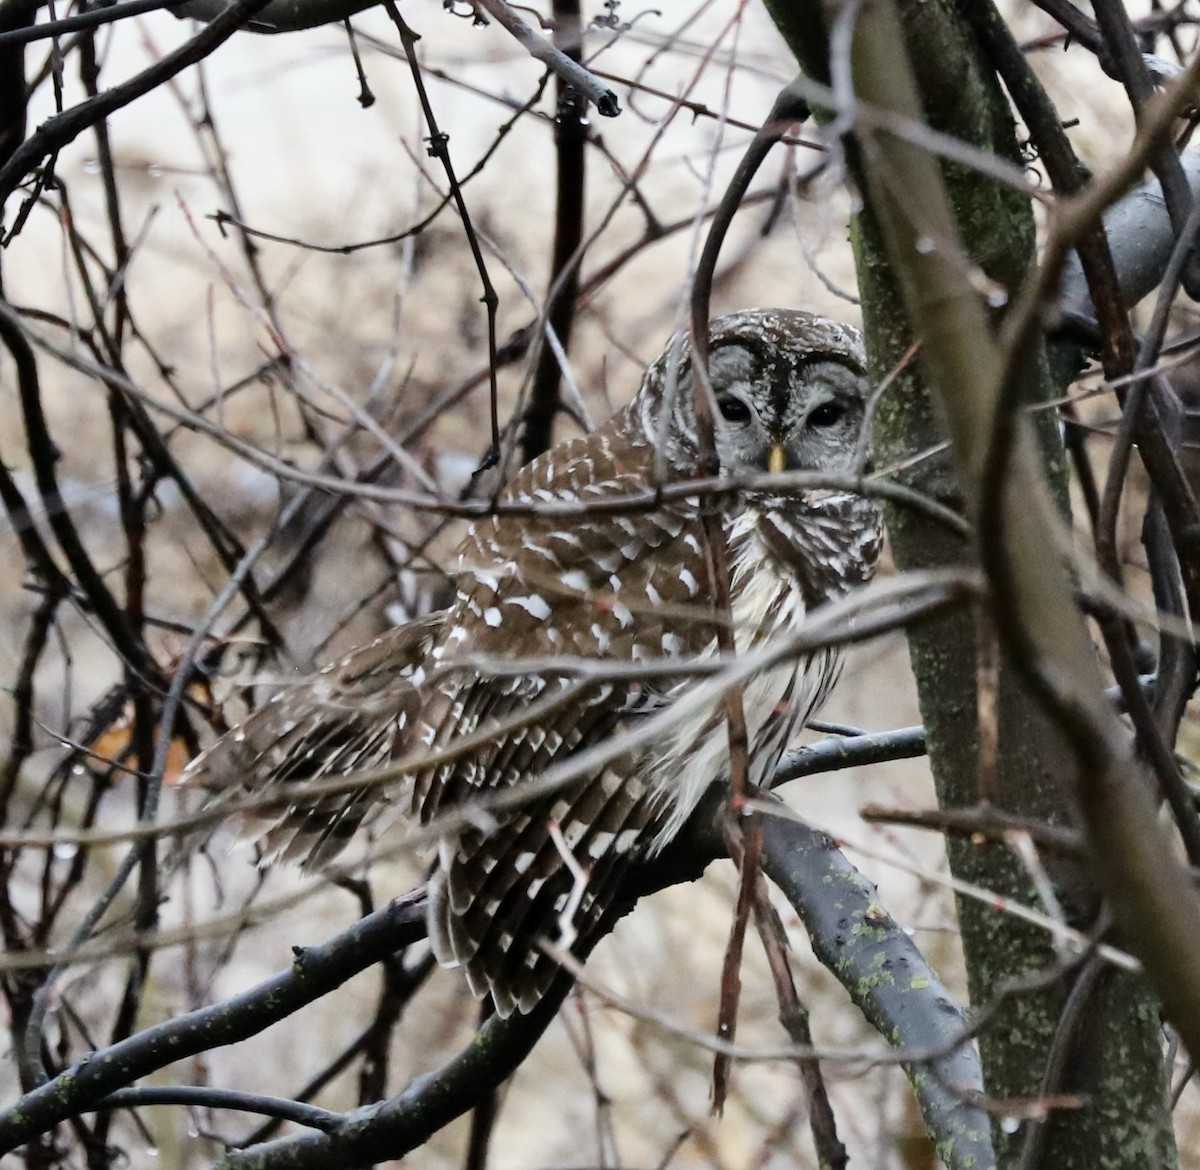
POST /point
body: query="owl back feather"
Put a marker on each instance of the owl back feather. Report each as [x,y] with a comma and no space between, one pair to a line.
[510,681]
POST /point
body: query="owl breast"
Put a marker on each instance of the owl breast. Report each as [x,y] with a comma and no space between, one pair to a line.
[767,603]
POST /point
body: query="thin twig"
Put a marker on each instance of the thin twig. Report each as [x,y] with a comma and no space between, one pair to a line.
[58,131]
[788,109]
[538,47]
[439,148]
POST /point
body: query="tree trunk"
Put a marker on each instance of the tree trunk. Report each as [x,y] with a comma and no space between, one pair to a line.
[1114,1063]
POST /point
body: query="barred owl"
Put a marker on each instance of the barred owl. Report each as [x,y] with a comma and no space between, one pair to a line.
[490,692]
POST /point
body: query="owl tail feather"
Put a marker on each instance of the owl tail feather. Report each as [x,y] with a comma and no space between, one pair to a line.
[548,874]
[513,969]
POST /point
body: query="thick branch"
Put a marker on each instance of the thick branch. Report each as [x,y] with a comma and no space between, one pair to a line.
[316,972]
[1150,892]
[890,982]
[1141,239]
[279,16]
[570,142]
[392,1128]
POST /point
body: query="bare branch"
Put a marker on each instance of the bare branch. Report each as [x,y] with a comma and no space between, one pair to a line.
[57,132]
[316,972]
[540,49]
[888,979]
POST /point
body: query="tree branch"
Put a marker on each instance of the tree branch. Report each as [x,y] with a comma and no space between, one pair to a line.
[58,131]
[889,981]
[315,972]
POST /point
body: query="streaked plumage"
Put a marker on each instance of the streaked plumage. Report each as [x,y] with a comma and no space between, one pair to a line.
[604,586]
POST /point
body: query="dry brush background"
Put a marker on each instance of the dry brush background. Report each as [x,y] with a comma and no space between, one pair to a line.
[289,337]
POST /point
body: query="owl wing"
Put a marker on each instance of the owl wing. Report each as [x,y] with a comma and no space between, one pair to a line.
[356,714]
[605,586]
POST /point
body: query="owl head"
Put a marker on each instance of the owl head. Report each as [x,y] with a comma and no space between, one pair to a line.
[790,387]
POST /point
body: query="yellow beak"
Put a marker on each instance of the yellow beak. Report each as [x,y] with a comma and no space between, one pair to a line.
[776,458]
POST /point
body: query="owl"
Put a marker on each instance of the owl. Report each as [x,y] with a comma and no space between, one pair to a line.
[571,613]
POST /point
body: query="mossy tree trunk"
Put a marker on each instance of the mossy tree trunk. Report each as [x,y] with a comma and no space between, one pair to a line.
[1114,1062]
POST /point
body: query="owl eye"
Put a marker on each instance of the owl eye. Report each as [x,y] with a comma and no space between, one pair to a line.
[733,409]
[826,414]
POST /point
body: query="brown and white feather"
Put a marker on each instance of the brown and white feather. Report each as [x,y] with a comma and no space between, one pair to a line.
[606,586]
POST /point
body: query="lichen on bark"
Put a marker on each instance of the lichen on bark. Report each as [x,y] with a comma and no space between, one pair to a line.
[1117,1065]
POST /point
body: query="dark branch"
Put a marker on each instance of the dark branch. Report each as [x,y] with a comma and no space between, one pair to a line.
[392,1128]
[570,142]
[58,131]
[92,18]
[203,1097]
[316,972]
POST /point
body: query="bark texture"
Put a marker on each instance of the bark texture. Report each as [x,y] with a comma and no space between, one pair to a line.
[1115,1063]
